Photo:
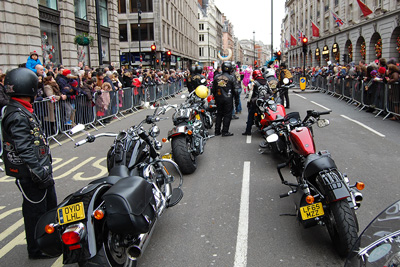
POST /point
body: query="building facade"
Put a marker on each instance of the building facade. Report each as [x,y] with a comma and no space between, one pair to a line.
[360,37]
[51,28]
[169,25]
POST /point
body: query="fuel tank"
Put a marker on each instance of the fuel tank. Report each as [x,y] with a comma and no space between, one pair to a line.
[302,141]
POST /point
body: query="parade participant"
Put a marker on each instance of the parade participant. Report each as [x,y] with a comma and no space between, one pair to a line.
[284,73]
[27,154]
[259,82]
[196,78]
[224,90]
[32,61]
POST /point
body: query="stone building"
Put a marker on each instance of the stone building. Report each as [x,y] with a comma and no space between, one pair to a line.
[50,27]
[169,25]
[359,37]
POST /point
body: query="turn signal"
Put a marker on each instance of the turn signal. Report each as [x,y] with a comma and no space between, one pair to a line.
[310,199]
[190,132]
[164,140]
[255,114]
[202,111]
[49,228]
[98,214]
[360,185]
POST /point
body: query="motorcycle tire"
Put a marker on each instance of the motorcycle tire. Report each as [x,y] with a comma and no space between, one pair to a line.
[342,227]
[110,254]
[180,152]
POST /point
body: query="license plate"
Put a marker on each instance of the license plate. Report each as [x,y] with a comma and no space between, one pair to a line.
[311,211]
[167,156]
[71,213]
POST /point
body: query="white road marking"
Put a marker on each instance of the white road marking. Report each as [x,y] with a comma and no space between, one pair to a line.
[243,227]
[58,262]
[315,103]
[11,229]
[248,139]
[18,240]
[363,125]
[301,96]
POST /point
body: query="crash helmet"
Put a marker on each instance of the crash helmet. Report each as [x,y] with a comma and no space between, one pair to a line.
[226,66]
[201,91]
[256,74]
[192,70]
[21,82]
[198,70]
[283,65]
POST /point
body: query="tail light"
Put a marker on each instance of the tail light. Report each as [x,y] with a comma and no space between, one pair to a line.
[73,234]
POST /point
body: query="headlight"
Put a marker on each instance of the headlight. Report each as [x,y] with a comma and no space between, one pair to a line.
[154,131]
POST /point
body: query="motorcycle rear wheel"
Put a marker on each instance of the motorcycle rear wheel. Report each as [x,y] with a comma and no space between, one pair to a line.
[342,227]
[180,152]
[110,254]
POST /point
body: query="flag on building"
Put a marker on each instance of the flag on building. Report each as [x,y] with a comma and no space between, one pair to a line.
[315,29]
[292,40]
[339,22]
[364,8]
[300,36]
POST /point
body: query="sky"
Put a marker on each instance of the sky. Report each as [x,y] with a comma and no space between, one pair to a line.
[254,15]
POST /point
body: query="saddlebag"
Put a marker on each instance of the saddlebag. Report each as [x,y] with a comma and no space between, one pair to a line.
[49,244]
[129,206]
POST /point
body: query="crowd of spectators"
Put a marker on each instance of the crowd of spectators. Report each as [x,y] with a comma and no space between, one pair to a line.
[374,77]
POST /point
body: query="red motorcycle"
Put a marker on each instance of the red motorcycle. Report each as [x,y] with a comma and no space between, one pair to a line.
[326,197]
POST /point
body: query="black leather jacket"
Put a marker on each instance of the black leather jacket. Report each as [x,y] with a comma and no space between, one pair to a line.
[224,86]
[26,151]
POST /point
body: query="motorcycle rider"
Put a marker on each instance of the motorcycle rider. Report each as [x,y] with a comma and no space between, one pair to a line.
[284,73]
[196,78]
[224,91]
[27,154]
[259,82]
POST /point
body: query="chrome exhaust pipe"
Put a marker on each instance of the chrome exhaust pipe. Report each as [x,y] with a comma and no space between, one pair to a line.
[358,197]
[136,250]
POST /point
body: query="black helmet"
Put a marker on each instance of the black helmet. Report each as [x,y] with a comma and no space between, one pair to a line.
[21,82]
[192,69]
[198,70]
[283,65]
[226,66]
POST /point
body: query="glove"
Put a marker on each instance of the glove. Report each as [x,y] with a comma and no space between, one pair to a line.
[44,179]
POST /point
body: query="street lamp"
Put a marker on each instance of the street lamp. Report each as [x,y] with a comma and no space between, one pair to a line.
[139,5]
[254,47]
[208,39]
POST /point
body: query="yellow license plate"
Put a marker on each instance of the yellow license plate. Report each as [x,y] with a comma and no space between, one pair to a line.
[71,213]
[167,156]
[197,116]
[311,211]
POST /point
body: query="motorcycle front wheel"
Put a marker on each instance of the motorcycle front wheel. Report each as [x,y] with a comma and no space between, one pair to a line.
[180,152]
[342,226]
[110,254]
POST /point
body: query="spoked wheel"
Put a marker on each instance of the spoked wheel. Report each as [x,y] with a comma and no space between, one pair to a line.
[111,253]
[180,151]
[342,226]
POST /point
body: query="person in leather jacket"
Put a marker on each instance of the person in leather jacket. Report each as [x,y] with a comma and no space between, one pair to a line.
[196,78]
[259,81]
[26,153]
[224,91]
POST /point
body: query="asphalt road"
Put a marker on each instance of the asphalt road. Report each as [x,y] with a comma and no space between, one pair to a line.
[231,213]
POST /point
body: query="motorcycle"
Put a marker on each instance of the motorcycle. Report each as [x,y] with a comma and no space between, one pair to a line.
[378,245]
[326,196]
[189,135]
[110,221]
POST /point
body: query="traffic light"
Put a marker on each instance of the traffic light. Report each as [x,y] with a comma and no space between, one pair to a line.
[278,55]
[157,61]
[168,57]
[153,48]
[304,41]
[255,62]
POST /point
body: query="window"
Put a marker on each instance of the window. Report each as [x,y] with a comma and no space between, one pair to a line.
[123,33]
[146,32]
[121,6]
[201,37]
[201,26]
[83,52]
[103,13]
[80,9]
[201,51]
[144,5]
[105,49]
[50,43]
[48,3]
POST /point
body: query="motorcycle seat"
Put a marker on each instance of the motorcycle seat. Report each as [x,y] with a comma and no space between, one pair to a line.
[115,174]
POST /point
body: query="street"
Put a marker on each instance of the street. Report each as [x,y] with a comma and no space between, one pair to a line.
[231,213]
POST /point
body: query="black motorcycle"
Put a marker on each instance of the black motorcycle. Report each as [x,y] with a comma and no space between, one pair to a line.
[378,245]
[110,221]
[189,135]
